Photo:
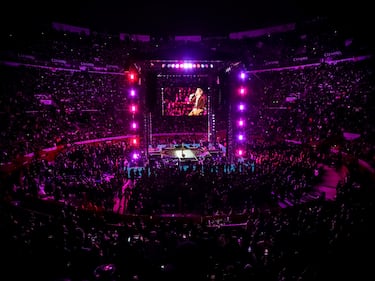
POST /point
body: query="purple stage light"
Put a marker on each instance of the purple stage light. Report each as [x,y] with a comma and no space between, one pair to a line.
[135,155]
[242,75]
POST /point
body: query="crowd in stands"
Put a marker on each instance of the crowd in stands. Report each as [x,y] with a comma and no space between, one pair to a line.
[315,103]
[214,219]
[316,241]
[43,107]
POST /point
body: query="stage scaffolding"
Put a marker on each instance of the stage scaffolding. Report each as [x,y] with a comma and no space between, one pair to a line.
[166,68]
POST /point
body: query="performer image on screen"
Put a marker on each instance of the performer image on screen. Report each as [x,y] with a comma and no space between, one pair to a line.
[199,100]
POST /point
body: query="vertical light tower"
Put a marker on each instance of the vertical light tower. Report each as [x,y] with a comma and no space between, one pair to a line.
[241,111]
[134,109]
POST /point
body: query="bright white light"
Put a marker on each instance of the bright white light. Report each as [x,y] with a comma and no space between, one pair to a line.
[188,65]
[135,155]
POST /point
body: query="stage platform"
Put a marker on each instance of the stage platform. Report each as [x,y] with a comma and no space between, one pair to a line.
[183,153]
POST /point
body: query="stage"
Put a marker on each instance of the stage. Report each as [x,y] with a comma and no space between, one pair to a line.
[182,153]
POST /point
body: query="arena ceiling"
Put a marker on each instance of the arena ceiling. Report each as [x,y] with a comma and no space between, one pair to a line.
[189,17]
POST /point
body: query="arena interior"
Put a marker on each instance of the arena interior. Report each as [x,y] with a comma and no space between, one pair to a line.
[111,170]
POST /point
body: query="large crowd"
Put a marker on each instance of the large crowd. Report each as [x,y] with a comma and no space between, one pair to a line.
[215,219]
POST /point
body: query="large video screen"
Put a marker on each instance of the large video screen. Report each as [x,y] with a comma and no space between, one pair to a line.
[184,101]
[184,95]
